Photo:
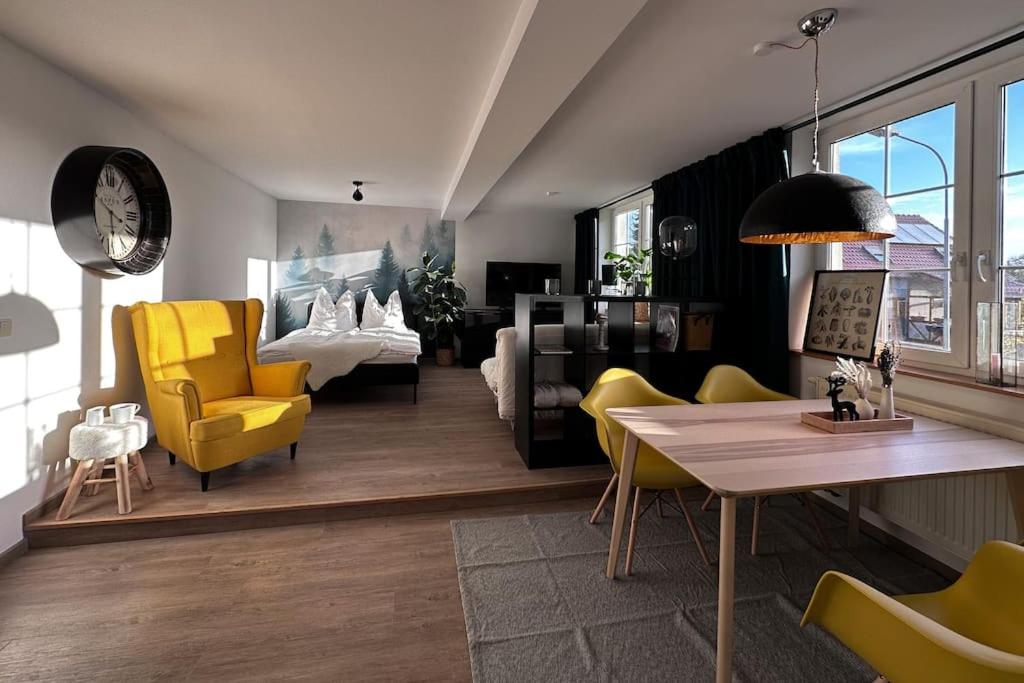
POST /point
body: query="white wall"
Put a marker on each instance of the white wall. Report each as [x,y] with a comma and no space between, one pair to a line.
[545,236]
[222,244]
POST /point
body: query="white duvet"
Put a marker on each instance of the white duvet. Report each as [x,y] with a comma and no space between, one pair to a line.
[334,354]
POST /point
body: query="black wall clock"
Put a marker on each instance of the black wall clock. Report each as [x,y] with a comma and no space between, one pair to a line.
[111,210]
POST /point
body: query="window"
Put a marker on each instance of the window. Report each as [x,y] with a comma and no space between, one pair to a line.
[951,164]
[626,225]
[627,231]
[917,154]
[911,161]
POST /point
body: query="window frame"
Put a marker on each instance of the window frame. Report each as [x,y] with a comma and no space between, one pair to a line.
[959,306]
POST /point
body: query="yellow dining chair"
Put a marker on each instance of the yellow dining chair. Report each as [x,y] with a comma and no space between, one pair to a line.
[730,384]
[619,388]
[971,631]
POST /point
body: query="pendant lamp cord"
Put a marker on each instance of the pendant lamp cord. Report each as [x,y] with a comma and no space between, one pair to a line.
[817,84]
[817,120]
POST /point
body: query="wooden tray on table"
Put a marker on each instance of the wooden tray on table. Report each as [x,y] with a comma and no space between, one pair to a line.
[823,420]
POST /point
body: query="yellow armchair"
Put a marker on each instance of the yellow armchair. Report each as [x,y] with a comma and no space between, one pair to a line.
[212,403]
[971,631]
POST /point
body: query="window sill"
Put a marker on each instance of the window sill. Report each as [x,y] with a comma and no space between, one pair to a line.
[933,376]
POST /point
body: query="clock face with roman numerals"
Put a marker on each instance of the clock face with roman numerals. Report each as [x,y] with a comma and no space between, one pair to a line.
[116,211]
[111,210]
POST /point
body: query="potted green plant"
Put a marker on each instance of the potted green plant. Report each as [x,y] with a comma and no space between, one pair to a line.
[440,301]
[632,268]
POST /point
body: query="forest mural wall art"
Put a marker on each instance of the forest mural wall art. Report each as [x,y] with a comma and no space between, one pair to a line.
[351,247]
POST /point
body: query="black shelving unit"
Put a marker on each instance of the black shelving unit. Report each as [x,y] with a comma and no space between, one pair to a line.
[568,437]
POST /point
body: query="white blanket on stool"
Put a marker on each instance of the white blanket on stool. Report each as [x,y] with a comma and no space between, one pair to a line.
[107,440]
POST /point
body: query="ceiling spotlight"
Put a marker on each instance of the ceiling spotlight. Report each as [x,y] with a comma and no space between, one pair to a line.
[358,194]
[552,193]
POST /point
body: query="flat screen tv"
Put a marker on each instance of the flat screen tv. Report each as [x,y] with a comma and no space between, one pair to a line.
[505,279]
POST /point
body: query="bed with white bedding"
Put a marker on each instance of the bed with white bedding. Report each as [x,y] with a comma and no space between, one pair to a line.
[378,350]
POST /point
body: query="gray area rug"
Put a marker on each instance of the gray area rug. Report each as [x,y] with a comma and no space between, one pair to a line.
[538,607]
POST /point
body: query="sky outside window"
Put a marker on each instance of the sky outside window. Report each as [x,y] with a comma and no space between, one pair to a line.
[1013,174]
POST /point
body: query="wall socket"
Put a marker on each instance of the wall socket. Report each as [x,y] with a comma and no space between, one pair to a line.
[6,327]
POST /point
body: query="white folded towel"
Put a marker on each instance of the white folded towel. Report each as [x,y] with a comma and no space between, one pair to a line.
[555,395]
[568,395]
[545,395]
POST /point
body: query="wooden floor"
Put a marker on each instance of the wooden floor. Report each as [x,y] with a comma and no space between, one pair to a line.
[370,454]
[358,600]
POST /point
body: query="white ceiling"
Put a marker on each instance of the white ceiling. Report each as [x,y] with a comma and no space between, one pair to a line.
[444,102]
[681,83]
[298,97]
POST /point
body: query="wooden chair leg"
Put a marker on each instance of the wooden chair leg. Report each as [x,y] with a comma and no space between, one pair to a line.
[294,449]
[634,522]
[806,499]
[74,488]
[758,500]
[124,491]
[139,469]
[171,457]
[604,499]
[95,473]
[693,527]
[657,504]
[204,481]
[707,501]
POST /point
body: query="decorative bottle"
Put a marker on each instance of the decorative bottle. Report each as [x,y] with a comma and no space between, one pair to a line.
[887,409]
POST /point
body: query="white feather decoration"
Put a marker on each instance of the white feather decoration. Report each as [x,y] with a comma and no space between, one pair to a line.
[857,375]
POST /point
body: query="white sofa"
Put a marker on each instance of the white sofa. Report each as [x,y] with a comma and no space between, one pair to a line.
[500,372]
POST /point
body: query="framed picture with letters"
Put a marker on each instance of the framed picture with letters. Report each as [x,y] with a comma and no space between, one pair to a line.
[844,313]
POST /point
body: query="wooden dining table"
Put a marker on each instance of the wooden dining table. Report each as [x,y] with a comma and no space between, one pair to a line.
[757,449]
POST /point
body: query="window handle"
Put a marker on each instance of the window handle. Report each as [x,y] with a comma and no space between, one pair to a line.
[982,263]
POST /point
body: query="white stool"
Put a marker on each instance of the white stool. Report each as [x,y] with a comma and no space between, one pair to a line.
[92,446]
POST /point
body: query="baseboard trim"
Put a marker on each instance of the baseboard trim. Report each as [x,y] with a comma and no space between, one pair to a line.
[14,552]
[49,504]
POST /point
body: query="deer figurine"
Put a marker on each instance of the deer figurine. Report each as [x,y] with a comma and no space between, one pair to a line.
[836,382]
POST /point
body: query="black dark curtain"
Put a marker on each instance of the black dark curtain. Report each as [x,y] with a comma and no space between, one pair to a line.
[751,280]
[585,267]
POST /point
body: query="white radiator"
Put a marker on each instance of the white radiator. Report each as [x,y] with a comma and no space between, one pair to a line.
[957,514]
[950,517]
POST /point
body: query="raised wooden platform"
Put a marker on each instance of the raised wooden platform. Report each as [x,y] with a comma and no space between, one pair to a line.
[370,454]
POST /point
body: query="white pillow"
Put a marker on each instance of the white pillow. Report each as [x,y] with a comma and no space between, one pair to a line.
[388,315]
[345,312]
[393,316]
[373,312]
[322,315]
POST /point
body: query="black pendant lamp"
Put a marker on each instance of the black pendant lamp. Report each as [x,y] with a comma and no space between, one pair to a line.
[817,207]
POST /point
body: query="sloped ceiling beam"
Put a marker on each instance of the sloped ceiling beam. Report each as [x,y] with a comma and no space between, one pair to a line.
[553,44]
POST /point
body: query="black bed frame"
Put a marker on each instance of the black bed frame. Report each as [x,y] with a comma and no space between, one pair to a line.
[369,374]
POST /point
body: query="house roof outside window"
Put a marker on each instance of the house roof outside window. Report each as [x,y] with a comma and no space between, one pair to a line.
[917,245]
